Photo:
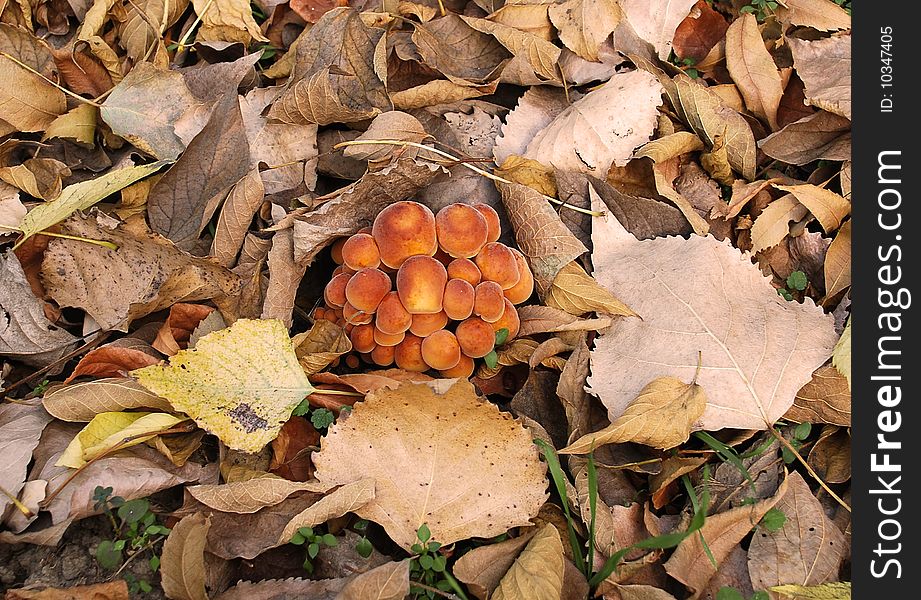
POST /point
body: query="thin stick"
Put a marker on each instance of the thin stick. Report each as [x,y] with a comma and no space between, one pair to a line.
[337,393]
[460,161]
[65,236]
[19,505]
[780,438]
[185,38]
[73,95]
[149,545]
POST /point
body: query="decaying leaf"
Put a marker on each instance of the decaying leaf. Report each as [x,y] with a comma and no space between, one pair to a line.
[240,383]
[323,343]
[481,569]
[112,590]
[752,68]
[80,402]
[115,359]
[536,109]
[824,67]
[389,581]
[450,479]
[584,25]
[818,14]
[249,495]
[21,429]
[825,399]
[110,430]
[642,421]
[750,373]
[537,573]
[182,563]
[841,356]
[819,136]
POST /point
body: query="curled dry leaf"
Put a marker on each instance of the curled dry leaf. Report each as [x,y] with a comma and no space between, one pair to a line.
[643,217]
[175,333]
[80,402]
[537,573]
[469,470]
[236,215]
[752,68]
[351,497]
[146,273]
[391,125]
[825,399]
[824,67]
[642,421]
[461,53]
[529,172]
[481,569]
[547,319]
[699,32]
[21,429]
[320,346]
[240,383]
[749,373]
[773,224]
[841,356]
[655,23]
[115,359]
[576,292]
[818,14]
[806,550]
[114,430]
[827,591]
[829,208]
[227,20]
[541,55]
[584,25]
[250,495]
[182,563]
[819,136]
[830,457]
[389,581]
[112,590]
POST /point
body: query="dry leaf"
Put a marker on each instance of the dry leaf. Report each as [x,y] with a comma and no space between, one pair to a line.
[699,32]
[541,235]
[439,91]
[482,568]
[528,172]
[602,128]
[250,495]
[113,590]
[749,373]
[670,146]
[825,399]
[841,357]
[110,430]
[391,125]
[825,591]
[25,332]
[182,563]
[546,319]
[642,216]
[642,421]
[227,20]
[537,573]
[584,25]
[829,208]
[351,497]
[39,177]
[773,224]
[27,102]
[752,68]
[819,136]
[656,23]
[824,67]
[235,218]
[472,470]
[690,563]
[389,581]
[320,346]
[818,14]
[240,383]
[642,592]
[81,402]
[115,359]
[285,276]
[576,292]
[830,457]
[541,55]
[536,109]
[292,448]
[21,428]
[145,274]
[78,124]
[175,333]
[806,550]
[673,467]
[458,51]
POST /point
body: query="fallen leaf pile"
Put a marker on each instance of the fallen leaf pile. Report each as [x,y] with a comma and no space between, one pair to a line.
[523,299]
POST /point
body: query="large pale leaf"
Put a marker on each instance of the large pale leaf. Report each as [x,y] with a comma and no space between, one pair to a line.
[81,196]
[451,461]
[584,25]
[806,550]
[656,22]
[537,573]
[824,67]
[823,15]
[699,296]
[239,383]
[536,109]
[753,69]
[602,128]
[114,429]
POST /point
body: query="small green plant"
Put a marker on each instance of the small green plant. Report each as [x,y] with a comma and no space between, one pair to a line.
[492,359]
[773,519]
[321,418]
[730,593]
[39,390]
[800,433]
[845,4]
[428,569]
[762,9]
[363,546]
[313,540]
[796,282]
[136,532]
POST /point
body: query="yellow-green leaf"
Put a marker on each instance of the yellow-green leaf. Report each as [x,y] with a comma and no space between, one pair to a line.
[110,429]
[78,124]
[840,590]
[81,196]
[239,383]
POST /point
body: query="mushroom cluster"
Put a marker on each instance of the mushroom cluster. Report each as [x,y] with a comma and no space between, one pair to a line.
[427,291]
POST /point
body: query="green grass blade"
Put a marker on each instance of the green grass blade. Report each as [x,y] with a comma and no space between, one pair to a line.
[556,473]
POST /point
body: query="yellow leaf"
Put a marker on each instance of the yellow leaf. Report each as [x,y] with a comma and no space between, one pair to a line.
[773,224]
[529,172]
[840,590]
[78,124]
[81,196]
[110,429]
[661,416]
[538,571]
[576,292]
[841,355]
[752,68]
[670,146]
[828,207]
[227,21]
[239,383]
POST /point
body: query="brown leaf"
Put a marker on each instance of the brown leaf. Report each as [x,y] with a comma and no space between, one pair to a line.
[350,497]
[536,109]
[818,14]
[439,91]
[81,402]
[174,334]
[699,32]
[602,128]
[316,100]
[112,590]
[482,568]
[642,592]
[184,199]
[773,224]
[670,146]
[643,274]
[819,136]
[641,421]
[806,550]
[291,450]
[389,581]
[537,400]
[146,274]
[82,72]
[457,50]
[39,177]
[576,292]
[838,263]
[642,216]
[21,428]
[391,125]
[656,24]
[312,10]
[824,67]
[528,172]
[663,175]
[250,495]
[144,108]
[831,456]
[27,102]
[673,467]
[752,68]
[829,208]
[227,20]
[825,399]
[284,277]
[541,236]
[690,563]
[733,572]
[115,359]
[742,194]
[705,196]
[584,25]
[357,206]
[547,319]
[182,563]
[493,450]
[25,332]
[709,117]
[537,573]
[541,55]
[320,346]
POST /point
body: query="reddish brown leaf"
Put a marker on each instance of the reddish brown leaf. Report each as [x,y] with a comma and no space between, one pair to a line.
[115,359]
[312,10]
[290,457]
[174,334]
[81,72]
[699,32]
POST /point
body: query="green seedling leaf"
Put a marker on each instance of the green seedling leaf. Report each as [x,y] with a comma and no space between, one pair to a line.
[502,336]
[491,359]
[134,510]
[424,533]
[729,593]
[313,549]
[773,519]
[107,555]
[802,431]
[797,281]
[364,548]
[321,418]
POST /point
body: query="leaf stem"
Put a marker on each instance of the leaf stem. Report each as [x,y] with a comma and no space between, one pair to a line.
[73,95]
[337,393]
[185,37]
[19,505]
[461,161]
[786,444]
[65,236]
